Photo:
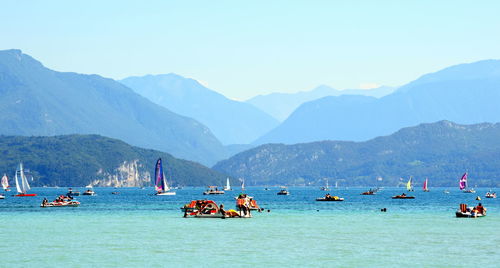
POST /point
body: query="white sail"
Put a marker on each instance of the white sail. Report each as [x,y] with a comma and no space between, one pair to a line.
[5,182]
[23,186]
[228,187]
[165,183]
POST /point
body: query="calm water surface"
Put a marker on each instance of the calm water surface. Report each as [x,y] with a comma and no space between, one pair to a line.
[134,228]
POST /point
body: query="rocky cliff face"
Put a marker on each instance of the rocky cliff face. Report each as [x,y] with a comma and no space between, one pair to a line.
[128,174]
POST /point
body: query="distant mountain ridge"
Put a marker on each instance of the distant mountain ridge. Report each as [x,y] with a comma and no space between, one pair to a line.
[80,160]
[39,101]
[441,151]
[281,105]
[465,93]
[232,122]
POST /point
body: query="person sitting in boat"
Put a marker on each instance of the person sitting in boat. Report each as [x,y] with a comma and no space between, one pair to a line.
[222,210]
[328,196]
[45,201]
[403,194]
[480,209]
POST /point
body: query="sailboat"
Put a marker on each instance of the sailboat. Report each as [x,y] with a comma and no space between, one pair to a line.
[426,189]
[22,185]
[227,187]
[161,185]
[463,184]
[5,183]
[409,187]
[242,184]
[326,187]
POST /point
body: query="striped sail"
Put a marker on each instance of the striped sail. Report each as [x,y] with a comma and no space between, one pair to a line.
[463,181]
[425,185]
[159,176]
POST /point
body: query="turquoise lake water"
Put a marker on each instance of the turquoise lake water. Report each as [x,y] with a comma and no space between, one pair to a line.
[134,229]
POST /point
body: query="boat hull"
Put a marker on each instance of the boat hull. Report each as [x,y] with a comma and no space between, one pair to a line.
[25,195]
[329,199]
[61,204]
[166,193]
[403,197]
[460,214]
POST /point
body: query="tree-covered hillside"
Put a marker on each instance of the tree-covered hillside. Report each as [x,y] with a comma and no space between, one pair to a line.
[78,160]
[441,151]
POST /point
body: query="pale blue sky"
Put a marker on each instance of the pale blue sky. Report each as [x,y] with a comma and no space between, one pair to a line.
[245,48]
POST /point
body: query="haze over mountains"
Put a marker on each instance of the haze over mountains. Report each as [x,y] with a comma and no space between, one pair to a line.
[465,93]
[39,101]
[281,105]
[232,122]
[441,151]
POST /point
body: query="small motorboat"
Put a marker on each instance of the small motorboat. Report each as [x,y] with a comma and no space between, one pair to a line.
[403,196]
[369,192]
[89,192]
[283,191]
[213,190]
[72,193]
[72,203]
[491,195]
[328,197]
[209,209]
[61,201]
[470,212]
[2,196]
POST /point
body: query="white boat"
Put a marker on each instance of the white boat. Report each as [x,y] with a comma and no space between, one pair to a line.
[491,194]
[227,187]
[161,185]
[89,191]
[5,183]
[22,185]
[283,191]
[2,196]
[213,190]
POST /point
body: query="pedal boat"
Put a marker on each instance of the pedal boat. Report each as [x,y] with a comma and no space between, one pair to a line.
[209,209]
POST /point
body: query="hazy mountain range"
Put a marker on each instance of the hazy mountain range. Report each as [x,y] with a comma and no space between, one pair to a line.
[281,105]
[465,93]
[80,160]
[441,151]
[232,122]
[39,101]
